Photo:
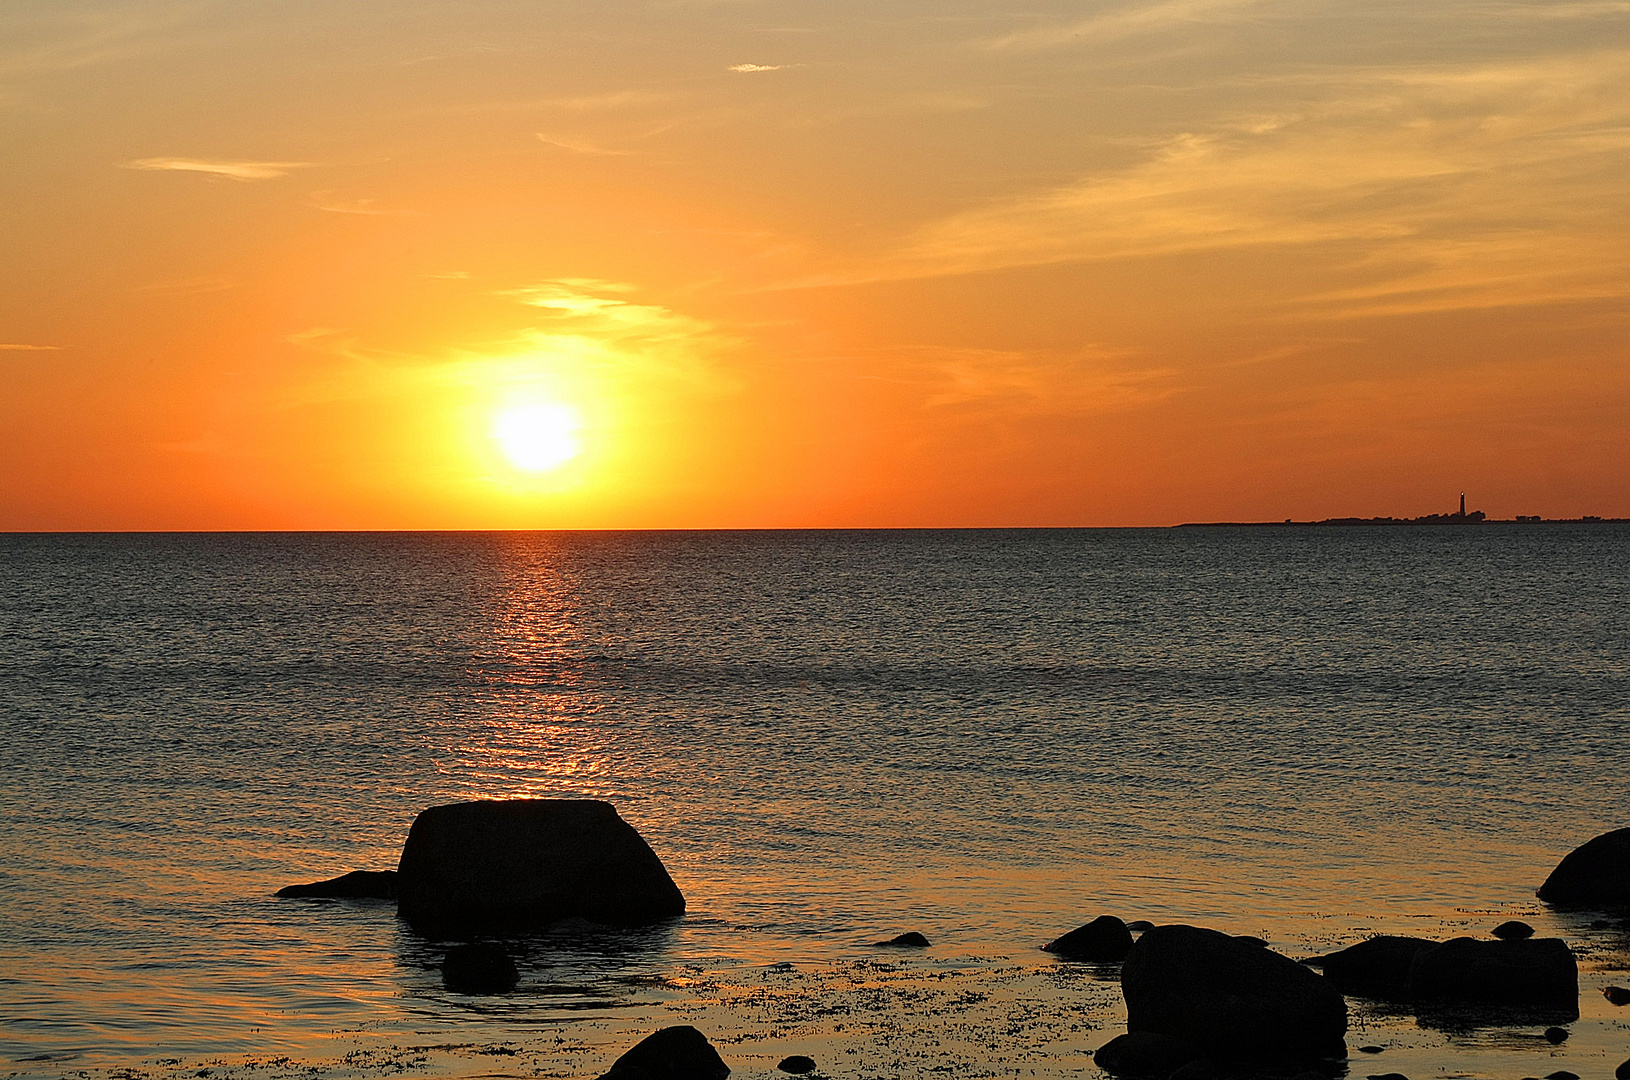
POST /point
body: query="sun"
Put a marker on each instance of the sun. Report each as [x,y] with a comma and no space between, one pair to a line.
[537,436]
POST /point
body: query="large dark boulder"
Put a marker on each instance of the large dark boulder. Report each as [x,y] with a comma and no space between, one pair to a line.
[357,885]
[673,1053]
[1534,971]
[1104,940]
[1239,1001]
[1595,874]
[1145,1054]
[530,861]
[1378,967]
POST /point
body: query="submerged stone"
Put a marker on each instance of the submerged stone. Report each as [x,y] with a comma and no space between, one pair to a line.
[357,885]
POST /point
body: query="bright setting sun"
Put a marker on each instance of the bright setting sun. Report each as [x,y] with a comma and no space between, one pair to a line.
[537,436]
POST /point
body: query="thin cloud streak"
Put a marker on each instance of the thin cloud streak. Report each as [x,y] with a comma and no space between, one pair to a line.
[232,170]
[17,347]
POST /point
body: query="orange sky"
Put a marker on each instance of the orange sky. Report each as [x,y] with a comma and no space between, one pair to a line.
[289,264]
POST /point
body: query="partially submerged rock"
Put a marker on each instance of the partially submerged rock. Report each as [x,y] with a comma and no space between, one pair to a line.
[1146,1054]
[478,968]
[908,940]
[1378,967]
[1513,930]
[1242,1002]
[673,1053]
[357,885]
[1535,972]
[1595,874]
[797,1064]
[531,861]
[1104,940]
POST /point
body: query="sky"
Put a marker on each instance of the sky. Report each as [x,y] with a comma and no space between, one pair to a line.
[448,264]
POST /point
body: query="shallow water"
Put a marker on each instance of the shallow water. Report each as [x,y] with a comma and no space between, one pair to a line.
[1305,733]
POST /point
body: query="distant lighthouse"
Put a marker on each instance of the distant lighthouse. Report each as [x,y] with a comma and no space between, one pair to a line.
[1462,504]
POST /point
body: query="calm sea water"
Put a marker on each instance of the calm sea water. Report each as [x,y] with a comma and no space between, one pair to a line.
[829,737]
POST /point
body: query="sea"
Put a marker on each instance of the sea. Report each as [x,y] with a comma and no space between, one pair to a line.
[1306,734]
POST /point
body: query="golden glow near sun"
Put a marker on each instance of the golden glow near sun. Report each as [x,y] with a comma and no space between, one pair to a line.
[537,436]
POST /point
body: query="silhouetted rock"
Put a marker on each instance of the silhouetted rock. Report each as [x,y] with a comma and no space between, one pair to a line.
[1513,930]
[357,885]
[673,1053]
[908,940]
[1378,967]
[1239,1001]
[1251,939]
[1617,995]
[797,1063]
[1595,874]
[1145,1053]
[1538,971]
[1556,1036]
[1371,1049]
[1200,1069]
[1562,1074]
[1104,940]
[531,861]
[1139,926]
[1387,1076]
[478,968]
[1622,1072]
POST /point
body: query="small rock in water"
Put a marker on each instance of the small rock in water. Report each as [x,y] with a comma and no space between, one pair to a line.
[797,1063]
[1562,1074]
[1513,930]
[1556,1036]
[1387,1076]
[357,885]
[908,940]
[1138,926]
[478,968]
[1369,1049]
[672,1053]
[1104,940]
[1617,995]
[1622,1072]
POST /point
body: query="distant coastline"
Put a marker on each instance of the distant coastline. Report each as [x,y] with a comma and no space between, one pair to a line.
[1476,517]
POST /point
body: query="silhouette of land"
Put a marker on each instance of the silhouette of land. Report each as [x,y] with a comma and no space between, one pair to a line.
[1458,517]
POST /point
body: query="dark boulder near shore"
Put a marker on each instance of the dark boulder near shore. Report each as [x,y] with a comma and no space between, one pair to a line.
[478,968]
[908,940]
[1104,940]
[1378,967]
[1595,874]
[673,1053]
[797,1064]
[1513,930]
[1535,971]
[1146,1054]
[531,861]
[1242,1002]
[357,885]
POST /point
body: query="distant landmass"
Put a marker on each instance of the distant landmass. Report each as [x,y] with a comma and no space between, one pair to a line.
[1459,517]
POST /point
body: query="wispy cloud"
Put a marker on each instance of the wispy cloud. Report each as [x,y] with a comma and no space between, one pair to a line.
[232,170]
[749,68]
[17,347]
[364,207]
[1460,185]
[577,147]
